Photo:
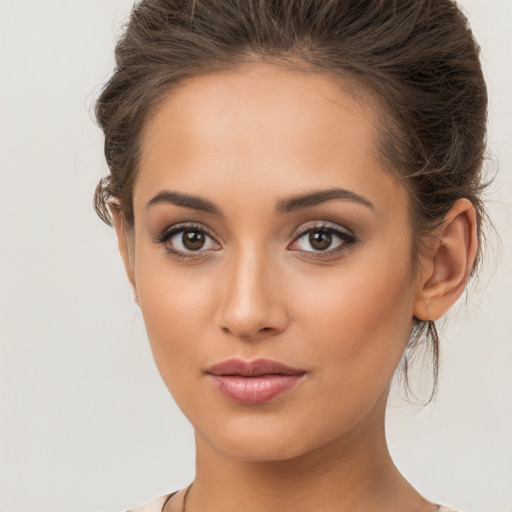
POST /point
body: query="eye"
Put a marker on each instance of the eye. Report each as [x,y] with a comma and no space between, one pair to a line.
[323,239]
[186,239]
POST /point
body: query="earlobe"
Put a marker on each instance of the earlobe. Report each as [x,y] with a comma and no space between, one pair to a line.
[125,245]
[449,262]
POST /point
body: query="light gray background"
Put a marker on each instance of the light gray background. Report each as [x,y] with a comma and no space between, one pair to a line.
[86,424]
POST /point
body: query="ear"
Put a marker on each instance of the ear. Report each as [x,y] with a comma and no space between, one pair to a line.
[446,271]
[125,244]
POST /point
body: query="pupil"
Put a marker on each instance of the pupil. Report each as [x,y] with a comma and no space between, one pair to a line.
[320,240]
[193,240]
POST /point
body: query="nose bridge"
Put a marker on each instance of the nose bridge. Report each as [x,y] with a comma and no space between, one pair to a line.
[251,302]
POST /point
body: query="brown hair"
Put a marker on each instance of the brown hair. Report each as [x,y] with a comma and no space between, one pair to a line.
[417,57]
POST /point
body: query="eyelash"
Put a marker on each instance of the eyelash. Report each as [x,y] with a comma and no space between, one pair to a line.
[168,233]
[346,237]
[347,240]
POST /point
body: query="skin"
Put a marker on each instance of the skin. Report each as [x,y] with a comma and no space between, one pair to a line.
[245,140]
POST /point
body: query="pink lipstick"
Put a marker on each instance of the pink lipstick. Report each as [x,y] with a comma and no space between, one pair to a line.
[253,382]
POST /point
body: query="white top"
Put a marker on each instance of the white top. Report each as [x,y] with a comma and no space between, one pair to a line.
[157,504]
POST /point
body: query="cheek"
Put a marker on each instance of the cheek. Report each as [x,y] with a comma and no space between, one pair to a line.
[360,316]
[177,308]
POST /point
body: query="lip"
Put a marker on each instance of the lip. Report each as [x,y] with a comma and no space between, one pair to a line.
[253,382]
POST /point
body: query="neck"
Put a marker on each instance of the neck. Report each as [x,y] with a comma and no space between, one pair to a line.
[353,472]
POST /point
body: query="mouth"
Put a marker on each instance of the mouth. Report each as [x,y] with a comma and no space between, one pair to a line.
[253,382]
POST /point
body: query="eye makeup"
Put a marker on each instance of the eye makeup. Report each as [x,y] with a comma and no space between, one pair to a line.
[195,235]
[324,233]
[197,241]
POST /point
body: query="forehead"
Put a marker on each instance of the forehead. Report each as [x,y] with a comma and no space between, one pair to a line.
[261,129]
[258,97]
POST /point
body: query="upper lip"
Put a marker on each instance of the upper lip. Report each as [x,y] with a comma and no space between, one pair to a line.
[258,367]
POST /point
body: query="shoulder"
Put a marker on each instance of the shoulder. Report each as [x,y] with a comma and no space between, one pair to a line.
[445,509]
[155,505]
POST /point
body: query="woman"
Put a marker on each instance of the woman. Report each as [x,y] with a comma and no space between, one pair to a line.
[295,190]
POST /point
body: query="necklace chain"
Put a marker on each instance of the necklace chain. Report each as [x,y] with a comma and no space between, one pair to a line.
[184,509]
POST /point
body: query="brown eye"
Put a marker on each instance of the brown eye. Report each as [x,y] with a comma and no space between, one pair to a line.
[323,240]
[184,240]
[193,240]
[320,240]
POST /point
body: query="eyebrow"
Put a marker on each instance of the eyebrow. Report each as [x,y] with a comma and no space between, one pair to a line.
[317,197]
[283,206]
[186,200]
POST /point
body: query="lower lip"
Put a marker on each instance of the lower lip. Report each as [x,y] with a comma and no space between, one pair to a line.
[254,390]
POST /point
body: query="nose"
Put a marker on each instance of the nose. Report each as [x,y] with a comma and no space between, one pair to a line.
[252,302]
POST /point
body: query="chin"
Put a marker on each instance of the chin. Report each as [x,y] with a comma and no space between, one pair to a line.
[261,449]
[255,439]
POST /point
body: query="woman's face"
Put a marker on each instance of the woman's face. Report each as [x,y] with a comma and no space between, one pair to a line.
[267,228]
